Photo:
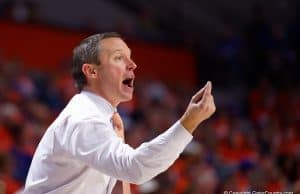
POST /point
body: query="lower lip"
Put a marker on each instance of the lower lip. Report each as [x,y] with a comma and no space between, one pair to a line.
[130,89]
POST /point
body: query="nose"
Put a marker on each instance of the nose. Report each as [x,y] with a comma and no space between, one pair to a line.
[131,65]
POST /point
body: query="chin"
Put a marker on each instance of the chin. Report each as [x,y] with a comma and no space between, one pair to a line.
[126,98]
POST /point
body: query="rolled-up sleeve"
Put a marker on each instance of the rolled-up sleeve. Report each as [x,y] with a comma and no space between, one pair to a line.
[96,144]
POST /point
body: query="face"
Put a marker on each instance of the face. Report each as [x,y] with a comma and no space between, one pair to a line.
[115,74]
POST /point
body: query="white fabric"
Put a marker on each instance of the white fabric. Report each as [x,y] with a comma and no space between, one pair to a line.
[81,154]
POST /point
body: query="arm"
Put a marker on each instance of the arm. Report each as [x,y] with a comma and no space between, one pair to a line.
[97,144]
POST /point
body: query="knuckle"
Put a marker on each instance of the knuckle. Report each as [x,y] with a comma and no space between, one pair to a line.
[213,109]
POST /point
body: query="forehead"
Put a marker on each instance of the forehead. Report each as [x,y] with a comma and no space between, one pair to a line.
[114,44]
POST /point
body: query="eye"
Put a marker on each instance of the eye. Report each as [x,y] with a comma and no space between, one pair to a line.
[119,58]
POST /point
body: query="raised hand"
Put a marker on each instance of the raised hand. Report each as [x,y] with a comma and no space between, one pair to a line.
[200,108]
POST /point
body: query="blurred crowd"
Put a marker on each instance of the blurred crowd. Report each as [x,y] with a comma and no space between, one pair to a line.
[252,143]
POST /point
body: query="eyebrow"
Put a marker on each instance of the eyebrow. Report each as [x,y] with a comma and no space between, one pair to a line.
[120,50]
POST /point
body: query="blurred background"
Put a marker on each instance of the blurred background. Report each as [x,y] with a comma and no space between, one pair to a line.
[248,49]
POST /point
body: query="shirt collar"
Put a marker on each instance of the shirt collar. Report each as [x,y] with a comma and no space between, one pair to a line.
[101,103]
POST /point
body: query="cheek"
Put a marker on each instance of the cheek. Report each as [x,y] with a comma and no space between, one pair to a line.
[117,71]
[114,75]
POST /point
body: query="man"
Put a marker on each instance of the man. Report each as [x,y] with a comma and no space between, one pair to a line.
[80,152]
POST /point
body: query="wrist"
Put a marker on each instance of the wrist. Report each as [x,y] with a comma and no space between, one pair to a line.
[189,124]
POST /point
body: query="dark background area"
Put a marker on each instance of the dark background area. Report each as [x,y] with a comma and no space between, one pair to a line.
[248,49]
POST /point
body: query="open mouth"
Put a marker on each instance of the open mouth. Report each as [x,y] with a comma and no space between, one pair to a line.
[128,82]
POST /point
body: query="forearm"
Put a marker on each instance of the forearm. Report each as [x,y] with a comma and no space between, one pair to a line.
[157,155]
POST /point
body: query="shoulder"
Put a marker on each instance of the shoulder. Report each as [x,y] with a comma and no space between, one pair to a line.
[82,109]
[79,112]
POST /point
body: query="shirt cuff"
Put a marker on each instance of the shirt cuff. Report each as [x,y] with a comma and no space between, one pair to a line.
[181,136]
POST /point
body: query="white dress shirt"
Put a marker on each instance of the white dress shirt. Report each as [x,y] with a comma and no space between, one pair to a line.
[81,154]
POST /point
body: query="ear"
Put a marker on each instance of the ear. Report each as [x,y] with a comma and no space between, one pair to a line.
[89,70]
